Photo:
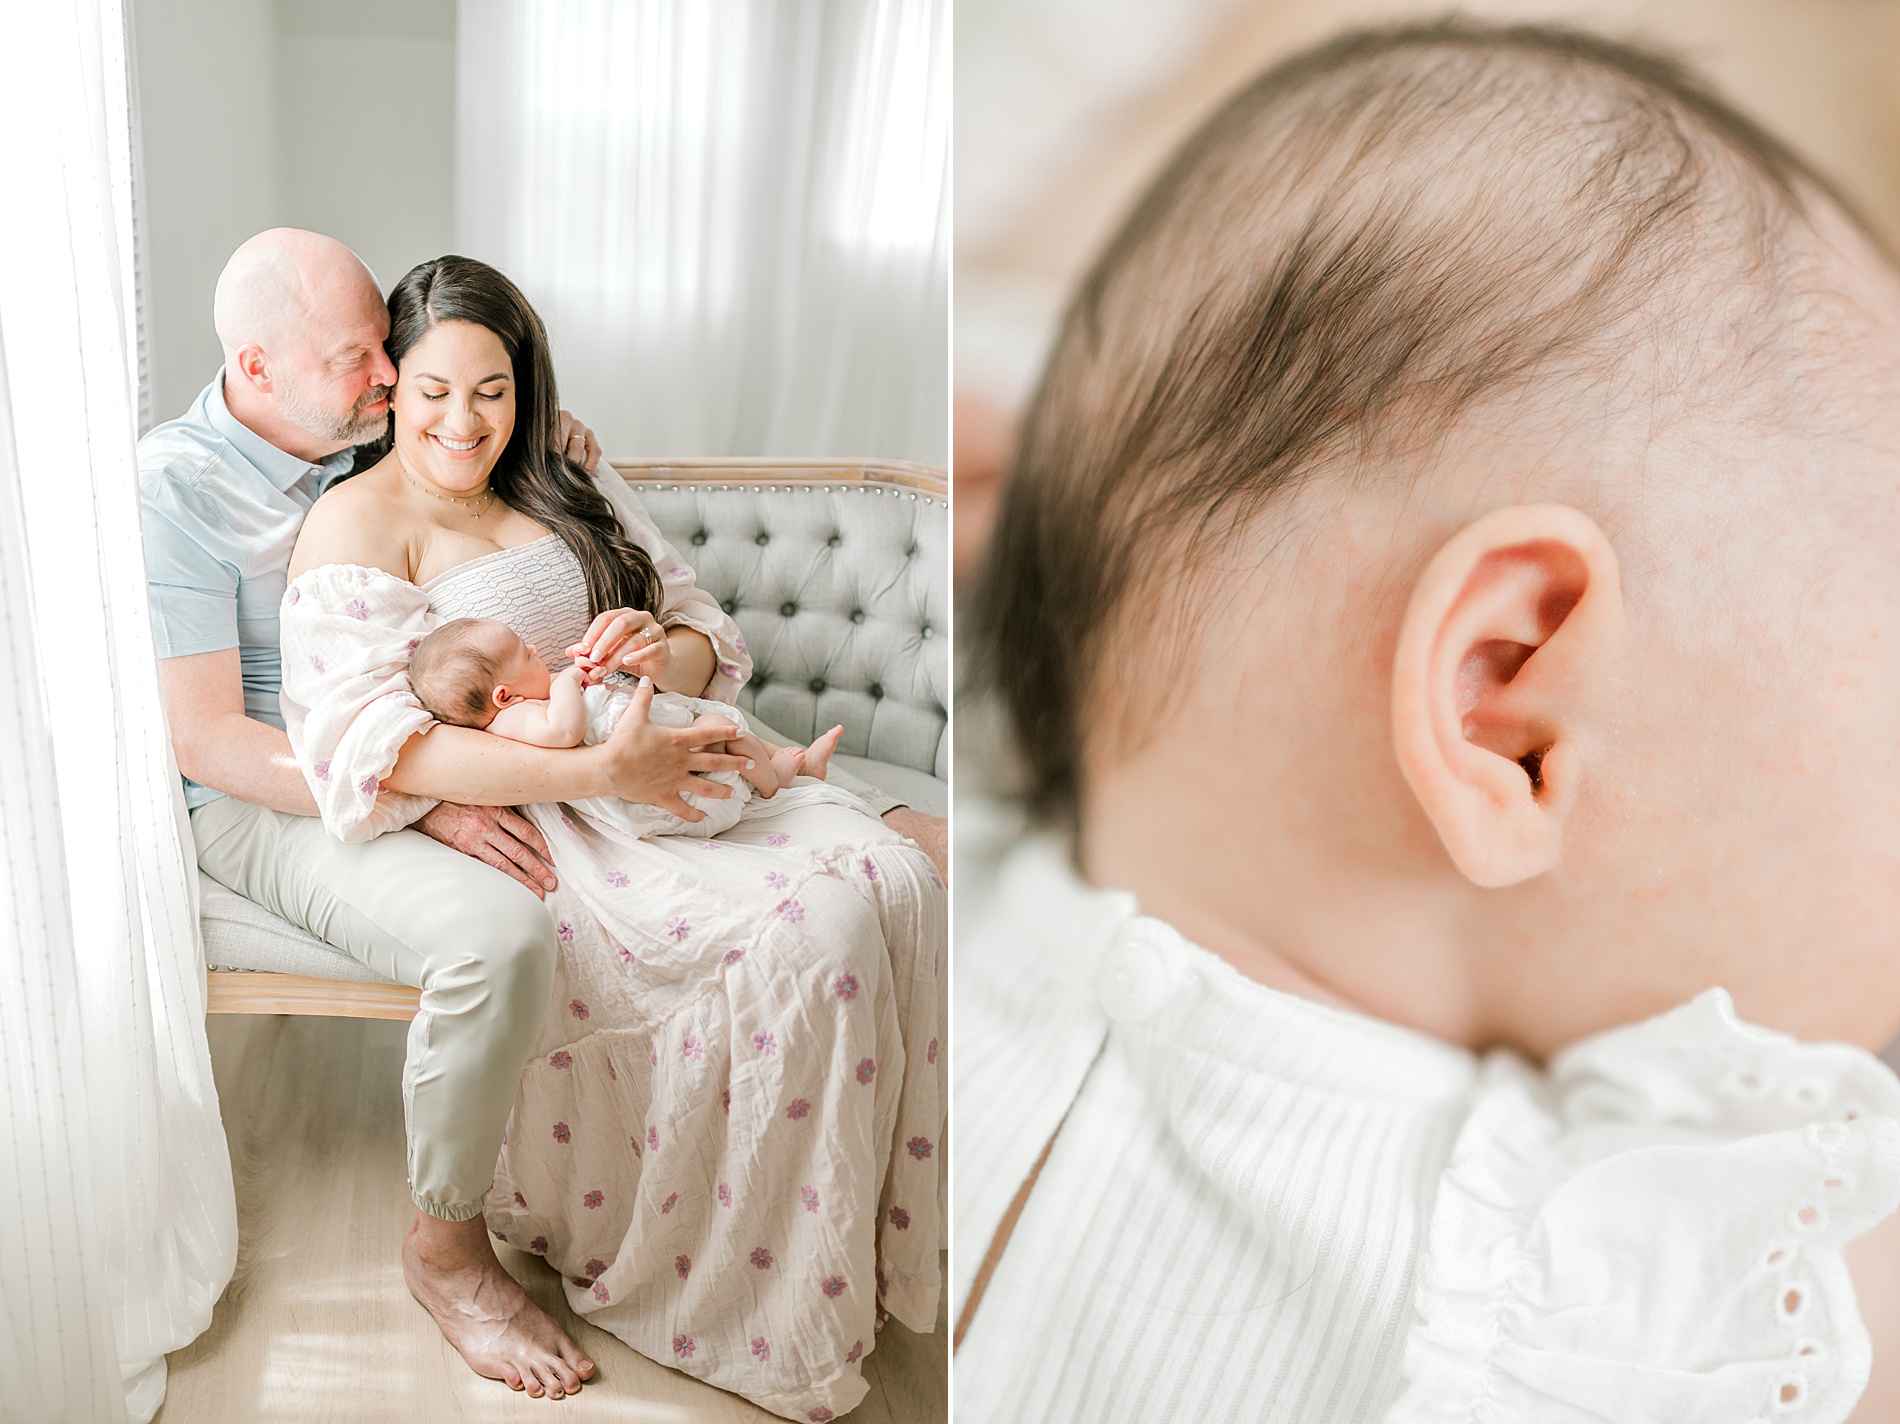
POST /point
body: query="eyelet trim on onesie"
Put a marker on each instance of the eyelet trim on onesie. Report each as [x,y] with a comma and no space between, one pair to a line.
[1652,1231]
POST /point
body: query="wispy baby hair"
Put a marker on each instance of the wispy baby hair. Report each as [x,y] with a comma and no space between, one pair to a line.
[453,673]
[1356,250]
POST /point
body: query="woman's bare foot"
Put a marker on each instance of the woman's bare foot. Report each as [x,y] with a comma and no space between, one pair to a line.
[482,1311]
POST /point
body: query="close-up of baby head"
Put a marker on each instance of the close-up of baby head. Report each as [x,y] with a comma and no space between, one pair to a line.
[1478,456]
[468,669]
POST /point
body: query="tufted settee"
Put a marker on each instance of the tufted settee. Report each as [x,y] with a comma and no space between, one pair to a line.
[838,574]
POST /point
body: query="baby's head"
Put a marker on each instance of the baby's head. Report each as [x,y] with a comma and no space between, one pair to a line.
[1483,447]
[468,669]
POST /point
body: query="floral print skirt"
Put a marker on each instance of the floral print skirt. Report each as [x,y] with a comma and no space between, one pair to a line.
[728,1139]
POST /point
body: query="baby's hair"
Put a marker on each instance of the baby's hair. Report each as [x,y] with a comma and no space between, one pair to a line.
[1355,251]
[453,674]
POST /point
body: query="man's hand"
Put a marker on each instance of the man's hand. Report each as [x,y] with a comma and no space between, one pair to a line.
[653,765]
[932,834]
[578,443]
[494,835]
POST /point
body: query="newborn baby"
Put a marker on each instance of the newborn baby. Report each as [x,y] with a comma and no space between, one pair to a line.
[477,672]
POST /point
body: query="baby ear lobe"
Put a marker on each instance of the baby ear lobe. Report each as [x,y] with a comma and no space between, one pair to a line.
[1510,632]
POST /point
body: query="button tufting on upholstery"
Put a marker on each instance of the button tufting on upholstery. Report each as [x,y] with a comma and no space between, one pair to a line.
[911,552]
[928,631]
[857,615]
[787,609]
[876,689]
[731,605]
[817,684]
[835,540]
[700,537]
[763,539]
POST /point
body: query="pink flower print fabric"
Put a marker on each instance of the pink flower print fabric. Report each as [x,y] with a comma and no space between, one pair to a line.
[772,1075]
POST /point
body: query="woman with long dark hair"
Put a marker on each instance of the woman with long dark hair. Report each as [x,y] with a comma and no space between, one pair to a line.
[725,1134]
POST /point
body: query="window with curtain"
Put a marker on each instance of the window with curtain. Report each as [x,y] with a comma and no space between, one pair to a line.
[734,218]
[120,1229]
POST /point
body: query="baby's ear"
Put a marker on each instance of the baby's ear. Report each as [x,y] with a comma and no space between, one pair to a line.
[1496,686]
[502,695]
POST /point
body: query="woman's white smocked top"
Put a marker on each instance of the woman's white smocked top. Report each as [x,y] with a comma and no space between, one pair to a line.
[1259,1208]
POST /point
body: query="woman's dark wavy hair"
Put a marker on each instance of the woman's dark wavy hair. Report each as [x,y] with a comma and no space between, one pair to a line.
[532,475]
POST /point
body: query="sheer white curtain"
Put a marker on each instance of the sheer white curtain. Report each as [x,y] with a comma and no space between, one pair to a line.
[734,217]
[119,1229]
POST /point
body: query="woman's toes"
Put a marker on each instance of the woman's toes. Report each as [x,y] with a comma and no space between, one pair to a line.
[511,1376]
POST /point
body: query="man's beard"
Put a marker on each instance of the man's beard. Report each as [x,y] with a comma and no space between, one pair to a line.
[354,427]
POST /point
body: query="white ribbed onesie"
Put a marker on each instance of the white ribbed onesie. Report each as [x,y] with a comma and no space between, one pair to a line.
[1260,1208]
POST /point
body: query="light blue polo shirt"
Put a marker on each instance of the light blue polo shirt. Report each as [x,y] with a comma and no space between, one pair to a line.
[221,507]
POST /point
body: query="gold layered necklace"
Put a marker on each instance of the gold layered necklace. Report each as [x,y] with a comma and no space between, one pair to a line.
[478,506]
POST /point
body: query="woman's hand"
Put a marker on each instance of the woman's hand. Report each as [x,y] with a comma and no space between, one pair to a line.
[624,640]
[653,765]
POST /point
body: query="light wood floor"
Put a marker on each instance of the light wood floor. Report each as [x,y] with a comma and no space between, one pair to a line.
[317,1324]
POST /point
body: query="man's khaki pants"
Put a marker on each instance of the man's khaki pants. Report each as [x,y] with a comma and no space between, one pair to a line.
[478,944]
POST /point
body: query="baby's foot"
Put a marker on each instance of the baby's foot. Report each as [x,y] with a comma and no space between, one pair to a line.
[818,754]
[786,762]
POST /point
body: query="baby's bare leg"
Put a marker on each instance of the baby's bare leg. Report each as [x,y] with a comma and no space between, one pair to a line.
[772,767]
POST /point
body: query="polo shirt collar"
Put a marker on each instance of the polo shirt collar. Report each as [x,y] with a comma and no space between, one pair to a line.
[281,469]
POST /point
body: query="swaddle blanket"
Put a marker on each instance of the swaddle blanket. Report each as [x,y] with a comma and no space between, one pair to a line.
[728,1138]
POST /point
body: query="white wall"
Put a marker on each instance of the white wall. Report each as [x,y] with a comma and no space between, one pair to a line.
[336,115]
[206,92]
[366,116]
